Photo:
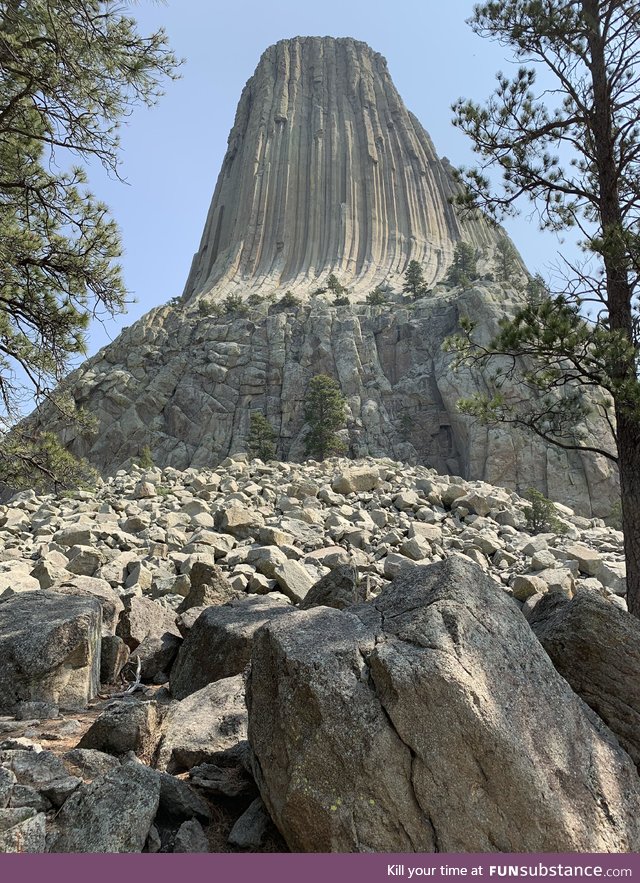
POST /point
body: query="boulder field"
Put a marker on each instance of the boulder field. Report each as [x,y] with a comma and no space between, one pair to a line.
[342,656]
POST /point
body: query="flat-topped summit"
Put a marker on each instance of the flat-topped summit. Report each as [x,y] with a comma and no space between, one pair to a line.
[327,171]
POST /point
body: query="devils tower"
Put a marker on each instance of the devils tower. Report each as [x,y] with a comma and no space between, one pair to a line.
[326,172]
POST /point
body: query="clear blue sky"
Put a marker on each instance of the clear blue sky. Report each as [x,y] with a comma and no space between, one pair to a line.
[172,153]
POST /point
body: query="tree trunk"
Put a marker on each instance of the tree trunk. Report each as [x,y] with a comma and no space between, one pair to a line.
[619,296]
[629,467]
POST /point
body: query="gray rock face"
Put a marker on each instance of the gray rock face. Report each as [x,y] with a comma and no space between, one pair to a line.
[204,726]
[219,644]
[326,172]
[339,588]
[143,618]
[319,139]
[251,828]
[125,726]
[431,721]
[596,647]
[49,649]
[112,814]
[22,830]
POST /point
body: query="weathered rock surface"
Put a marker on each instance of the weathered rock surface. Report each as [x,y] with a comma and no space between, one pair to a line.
[596,647]
[143,618]
[204,726]
[349,525]
[22,830]
[339,588]
[113,813]
[219,644]
[126,726]
[49,649]
[431,721]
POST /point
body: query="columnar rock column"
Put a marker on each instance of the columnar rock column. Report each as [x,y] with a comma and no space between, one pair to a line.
[327,171]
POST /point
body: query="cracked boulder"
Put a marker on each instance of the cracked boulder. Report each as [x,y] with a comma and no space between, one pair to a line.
[596,647]
[205,727]
[114,813]
[49,649]
[431,720]
[219,644]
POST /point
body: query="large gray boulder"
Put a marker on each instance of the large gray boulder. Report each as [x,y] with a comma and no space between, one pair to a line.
[22,830]
[219,644]
[114,813]
[142,618]
[126,726]
[430,720]
[596,647]
[204,727]
[339,588]
[49,649]
[90,587]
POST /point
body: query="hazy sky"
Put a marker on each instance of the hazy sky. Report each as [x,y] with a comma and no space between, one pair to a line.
[172,153]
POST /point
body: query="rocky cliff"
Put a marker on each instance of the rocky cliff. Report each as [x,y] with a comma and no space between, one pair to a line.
[326,172]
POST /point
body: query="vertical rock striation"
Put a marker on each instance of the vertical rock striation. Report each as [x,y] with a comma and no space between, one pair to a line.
[327,171]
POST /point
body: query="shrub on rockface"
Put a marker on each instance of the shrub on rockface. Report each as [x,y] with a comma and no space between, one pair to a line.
[261,438]
[324,411]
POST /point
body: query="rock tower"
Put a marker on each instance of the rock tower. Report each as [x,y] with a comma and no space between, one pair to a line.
[326,172]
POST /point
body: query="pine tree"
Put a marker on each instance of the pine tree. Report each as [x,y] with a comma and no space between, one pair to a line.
[537,290]
[414,282]
[464,268]
[145,460]
[39,462]
[506,262]
[324,411]
[572,148]
[260,441]
[69,73]
[377,297]
[334,285]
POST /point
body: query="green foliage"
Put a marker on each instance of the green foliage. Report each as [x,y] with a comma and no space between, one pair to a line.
[69,73]
[255,299]
[233,305]
[210,309]
[542,515]
[406,424]
[288,301]
[260,441]
[537,290]
[145,460]
[506,263]
[572,148]
[377,297]
[414,282]
[324,411]
[317,291]
[341,300]
[334,286]
[464,268]
[38,461]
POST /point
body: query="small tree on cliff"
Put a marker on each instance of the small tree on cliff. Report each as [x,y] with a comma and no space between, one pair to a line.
[324,411]
[260,441]
[414,282]
[464,268]
[578,161]
[505,261]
